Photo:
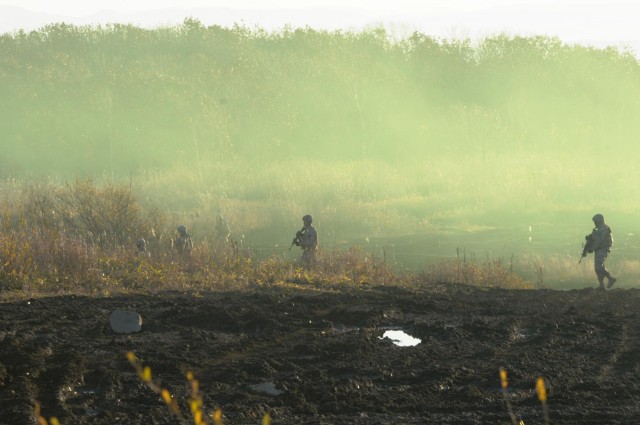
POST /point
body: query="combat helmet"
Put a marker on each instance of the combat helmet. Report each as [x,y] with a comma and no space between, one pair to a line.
[182,229]
[307,219]
[141,243]
[598,218]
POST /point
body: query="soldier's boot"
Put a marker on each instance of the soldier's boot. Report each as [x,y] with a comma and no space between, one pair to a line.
[612,280]
[601,282]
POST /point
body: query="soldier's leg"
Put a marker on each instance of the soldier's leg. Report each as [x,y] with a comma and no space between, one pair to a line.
[598,263]
[304,259]
[605,272]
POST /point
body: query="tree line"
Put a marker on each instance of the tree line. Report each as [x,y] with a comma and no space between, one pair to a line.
[119,97]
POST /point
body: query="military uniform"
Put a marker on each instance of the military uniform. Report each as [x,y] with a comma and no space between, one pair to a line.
[222,231]
[602,241]
[141,244]
[308,241]
[182,243]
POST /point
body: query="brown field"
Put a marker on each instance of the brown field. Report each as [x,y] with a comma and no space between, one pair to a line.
[323,353]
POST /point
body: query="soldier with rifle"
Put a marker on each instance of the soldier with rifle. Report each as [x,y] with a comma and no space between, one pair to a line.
[599,242]
[141,246]
[307,239]
[182,243]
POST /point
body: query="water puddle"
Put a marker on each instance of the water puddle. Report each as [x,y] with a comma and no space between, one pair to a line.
[401,339]
[526,334]
[342,329]
[266,388]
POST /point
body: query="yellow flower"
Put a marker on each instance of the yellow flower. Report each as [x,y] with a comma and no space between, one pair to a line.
[541,390]
[503,378]
[146,374]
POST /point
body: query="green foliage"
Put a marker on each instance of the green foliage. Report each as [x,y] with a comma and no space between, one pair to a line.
[119,98]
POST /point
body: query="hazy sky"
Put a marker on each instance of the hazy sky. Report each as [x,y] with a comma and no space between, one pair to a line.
[598,22]
[78,7]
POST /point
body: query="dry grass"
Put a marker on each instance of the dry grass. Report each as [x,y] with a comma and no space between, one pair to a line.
[199,416]
[28,270]
[486,274]
[35,262]
[81,239]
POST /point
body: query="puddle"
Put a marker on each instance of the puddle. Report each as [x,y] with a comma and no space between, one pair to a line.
[266,388]
[401,338]
[523,334]
[342,329]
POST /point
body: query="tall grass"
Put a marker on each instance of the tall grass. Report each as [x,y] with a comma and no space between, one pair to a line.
[60,229]
[46,247]
[377,198]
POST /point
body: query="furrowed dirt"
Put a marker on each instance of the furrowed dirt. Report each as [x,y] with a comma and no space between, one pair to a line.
[310,356]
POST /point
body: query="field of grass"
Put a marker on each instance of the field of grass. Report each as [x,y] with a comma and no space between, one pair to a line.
[81,237]
[421,220]
[408,150]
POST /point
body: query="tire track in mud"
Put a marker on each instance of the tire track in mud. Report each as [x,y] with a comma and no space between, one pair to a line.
[540,334]
[57,382]
[18,391]
[40,376]
[619,374]
[612,365]
[595,356]
[46,355]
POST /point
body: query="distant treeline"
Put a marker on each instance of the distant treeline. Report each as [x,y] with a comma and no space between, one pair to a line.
[120,97]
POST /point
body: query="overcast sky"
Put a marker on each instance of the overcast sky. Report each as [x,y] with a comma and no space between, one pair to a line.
[595,22]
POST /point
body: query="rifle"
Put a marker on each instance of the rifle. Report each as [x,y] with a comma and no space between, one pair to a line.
[587,247]
[297,238]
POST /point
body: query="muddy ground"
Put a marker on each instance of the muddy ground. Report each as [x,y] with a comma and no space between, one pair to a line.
[319,357]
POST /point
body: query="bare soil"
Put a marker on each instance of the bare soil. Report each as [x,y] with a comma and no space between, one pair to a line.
[310,356]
